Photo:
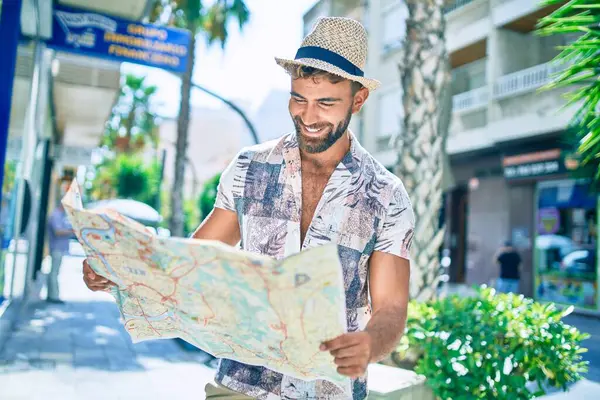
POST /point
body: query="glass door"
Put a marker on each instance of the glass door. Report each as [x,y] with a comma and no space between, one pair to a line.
[13,252]
[566,244]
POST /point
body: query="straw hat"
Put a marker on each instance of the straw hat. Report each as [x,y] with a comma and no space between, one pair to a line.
[336,45]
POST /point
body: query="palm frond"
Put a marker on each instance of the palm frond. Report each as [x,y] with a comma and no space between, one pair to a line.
[582,74]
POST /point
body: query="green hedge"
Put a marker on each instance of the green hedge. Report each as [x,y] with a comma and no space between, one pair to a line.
[490,346]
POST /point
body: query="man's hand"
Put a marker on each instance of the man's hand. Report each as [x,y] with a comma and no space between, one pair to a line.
[94,281]
[352,352]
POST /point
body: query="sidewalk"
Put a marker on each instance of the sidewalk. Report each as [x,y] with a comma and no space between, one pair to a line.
[80,350]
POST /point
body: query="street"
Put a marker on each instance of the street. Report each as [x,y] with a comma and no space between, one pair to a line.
[80,350]
[590,325]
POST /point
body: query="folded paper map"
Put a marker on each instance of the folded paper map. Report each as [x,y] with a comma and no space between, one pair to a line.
[230,303]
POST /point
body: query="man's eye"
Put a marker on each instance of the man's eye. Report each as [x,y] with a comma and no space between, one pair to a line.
[301,101]
[327,104]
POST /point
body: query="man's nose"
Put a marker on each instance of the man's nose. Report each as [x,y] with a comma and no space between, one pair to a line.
[310,115]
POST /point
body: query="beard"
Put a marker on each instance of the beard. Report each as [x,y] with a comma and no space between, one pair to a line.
[319,145]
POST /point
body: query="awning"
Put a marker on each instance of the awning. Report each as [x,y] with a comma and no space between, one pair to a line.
[133,209]
[85,90]
[129,9]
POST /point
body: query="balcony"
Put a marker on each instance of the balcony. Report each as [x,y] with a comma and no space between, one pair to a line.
[354,9]
[456,5]
[470,101]
[525,80]
[520,15]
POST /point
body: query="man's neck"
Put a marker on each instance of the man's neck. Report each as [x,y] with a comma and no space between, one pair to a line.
[329,159]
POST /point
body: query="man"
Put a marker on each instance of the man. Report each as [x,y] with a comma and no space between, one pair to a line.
[312,187]
[509,261]
[60,233]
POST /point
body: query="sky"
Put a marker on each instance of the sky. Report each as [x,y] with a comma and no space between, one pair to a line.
[245,70]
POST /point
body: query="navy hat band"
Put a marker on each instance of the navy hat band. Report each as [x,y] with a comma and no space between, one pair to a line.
[319,53]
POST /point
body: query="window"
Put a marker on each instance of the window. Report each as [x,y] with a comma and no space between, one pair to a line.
[390,114]
[394,27]
[566,244]
[469,76]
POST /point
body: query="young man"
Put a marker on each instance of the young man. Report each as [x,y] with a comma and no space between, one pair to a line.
[60,233]
[316,186]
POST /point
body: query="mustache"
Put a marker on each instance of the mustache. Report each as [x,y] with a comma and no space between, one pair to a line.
[317,125]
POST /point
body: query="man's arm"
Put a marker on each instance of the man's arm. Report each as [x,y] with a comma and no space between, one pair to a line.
[57,227]
[389,284]
[63,232]
[221,225]
[389,287]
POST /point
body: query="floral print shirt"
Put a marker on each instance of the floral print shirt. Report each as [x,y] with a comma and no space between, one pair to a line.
[364,208]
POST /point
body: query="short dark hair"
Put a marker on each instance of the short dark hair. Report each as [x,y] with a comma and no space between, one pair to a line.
[303,72]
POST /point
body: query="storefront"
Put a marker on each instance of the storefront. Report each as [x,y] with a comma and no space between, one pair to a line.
[566,244]
[562,234]
[59,75]
[24,142]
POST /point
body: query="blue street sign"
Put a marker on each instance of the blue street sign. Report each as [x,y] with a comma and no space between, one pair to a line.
[93,34]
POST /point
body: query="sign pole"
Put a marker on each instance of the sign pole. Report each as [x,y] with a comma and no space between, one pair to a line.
[10,29]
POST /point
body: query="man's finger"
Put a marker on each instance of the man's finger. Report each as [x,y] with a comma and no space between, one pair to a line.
[339,342]
[345,352]
[87,270]
[97,285]
[94,278]
[347,362]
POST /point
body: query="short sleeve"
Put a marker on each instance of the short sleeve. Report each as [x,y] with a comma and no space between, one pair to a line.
[225,189]
[396,233]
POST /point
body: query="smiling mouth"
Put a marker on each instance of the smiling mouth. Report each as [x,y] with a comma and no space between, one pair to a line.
[313,131]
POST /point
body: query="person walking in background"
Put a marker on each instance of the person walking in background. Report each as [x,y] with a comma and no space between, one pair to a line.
[509,261]
[60,233]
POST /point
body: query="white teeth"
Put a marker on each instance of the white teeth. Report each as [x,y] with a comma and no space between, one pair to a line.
[312,130]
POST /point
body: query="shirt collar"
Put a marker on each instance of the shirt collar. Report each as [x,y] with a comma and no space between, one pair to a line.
[351,161]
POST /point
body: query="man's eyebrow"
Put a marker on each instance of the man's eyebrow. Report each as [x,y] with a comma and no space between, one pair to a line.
[297,95]
[330,100]
[324,99]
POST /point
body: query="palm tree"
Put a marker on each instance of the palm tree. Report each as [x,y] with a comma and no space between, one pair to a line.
[421,162]
[212,22]
[132,124]
[582,59]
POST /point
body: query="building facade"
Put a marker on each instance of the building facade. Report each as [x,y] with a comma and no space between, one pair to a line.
[53,106]
[205,156]
[508,157]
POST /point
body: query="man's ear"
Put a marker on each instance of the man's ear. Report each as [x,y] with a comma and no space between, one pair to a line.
[359,99]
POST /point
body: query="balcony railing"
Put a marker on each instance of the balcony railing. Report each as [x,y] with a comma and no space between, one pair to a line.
[456,4]
[471,100]
[525,80]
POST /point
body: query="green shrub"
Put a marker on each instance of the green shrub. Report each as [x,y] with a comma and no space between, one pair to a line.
[127,176]
[206,200]
[490,346]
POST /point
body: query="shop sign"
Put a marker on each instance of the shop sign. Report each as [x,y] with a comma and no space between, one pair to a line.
[548,221]
[98,35]
[542,163]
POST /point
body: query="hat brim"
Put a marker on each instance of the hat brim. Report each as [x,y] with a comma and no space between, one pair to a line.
[371,84]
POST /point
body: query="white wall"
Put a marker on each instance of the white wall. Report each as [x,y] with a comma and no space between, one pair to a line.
[272,118]
[215,137]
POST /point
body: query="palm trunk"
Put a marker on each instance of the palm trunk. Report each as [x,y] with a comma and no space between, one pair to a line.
[421,146]
[177,217]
